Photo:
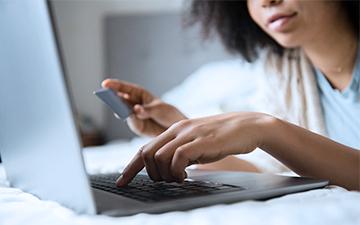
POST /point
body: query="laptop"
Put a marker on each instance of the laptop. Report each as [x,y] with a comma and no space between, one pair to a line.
[40,145]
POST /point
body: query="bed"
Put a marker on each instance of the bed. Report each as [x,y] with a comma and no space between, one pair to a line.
[331,205]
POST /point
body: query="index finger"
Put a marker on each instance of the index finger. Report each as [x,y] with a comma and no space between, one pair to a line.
[121,86]
[134,91]
[131,170]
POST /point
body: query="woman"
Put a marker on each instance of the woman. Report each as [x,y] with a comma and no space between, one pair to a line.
[309,52]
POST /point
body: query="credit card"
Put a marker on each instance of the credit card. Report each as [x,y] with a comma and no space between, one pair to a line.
[117,105]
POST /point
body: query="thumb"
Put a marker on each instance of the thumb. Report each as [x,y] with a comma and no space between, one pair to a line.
[140,112]
[147,111]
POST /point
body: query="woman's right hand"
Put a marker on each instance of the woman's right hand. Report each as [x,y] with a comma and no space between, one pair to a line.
[151,116]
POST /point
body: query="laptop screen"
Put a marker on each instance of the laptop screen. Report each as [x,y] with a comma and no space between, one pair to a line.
[39,142]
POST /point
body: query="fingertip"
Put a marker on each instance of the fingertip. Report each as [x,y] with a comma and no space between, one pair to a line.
[133,168]
[140,112]
[183,177]
[121,182]
[105,83]
[137,107]
[179,177]
[121,95]
[126,96]
[180,181]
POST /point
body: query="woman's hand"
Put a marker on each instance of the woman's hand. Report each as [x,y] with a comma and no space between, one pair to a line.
[193,141]
[151,115]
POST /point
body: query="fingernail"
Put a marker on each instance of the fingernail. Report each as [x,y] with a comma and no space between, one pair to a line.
[120,181]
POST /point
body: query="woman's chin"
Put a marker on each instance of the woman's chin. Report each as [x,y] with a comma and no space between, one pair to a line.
[287,41]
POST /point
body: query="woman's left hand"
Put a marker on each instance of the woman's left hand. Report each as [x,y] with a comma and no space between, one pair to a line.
[197,141]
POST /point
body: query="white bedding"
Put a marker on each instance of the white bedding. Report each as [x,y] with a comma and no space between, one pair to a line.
[333,205]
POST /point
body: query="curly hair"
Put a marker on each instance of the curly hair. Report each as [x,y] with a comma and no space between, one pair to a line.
[239,33]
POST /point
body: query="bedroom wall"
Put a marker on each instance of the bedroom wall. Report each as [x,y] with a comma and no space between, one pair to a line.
[92,37]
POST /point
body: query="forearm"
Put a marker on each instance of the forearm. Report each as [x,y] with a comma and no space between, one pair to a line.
[309,154]
[230,163]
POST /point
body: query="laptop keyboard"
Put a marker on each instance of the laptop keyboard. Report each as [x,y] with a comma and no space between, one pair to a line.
[142,188]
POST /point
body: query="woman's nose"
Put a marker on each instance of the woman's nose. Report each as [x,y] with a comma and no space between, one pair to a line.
[268,3]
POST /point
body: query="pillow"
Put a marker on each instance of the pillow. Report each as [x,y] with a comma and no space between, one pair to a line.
[215,88]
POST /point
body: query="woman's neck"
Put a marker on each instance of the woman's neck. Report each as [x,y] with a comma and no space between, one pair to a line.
[334,53]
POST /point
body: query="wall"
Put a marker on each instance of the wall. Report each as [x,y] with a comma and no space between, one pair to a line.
[81,24]
[155,51]
[137,40]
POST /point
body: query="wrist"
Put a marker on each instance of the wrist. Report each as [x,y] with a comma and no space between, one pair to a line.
[177,116]
[269,130]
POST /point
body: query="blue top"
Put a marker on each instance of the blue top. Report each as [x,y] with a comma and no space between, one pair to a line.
[341,109]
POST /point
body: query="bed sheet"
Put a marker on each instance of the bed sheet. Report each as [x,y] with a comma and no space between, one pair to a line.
[332,205]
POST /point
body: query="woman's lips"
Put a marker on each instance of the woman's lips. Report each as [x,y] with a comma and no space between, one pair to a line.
[278,22]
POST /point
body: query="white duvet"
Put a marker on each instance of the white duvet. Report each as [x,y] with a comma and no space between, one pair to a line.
[332,205]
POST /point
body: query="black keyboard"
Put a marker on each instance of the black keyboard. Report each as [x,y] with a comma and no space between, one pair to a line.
[142,188]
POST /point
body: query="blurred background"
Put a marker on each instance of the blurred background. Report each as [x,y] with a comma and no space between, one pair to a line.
[141,41]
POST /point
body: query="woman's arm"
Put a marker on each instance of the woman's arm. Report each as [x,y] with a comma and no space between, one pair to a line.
[230,163]
[209,139]
[310,154]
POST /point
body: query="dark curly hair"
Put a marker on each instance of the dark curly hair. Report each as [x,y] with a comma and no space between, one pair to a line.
[238,32]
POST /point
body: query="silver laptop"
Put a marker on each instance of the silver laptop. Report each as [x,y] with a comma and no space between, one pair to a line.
[40,147]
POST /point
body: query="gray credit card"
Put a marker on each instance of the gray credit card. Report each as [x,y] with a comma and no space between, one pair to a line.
[117,105]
